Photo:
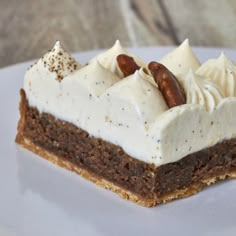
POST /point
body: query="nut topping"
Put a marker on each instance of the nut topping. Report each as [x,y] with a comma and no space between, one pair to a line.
[127,64]
[168,84]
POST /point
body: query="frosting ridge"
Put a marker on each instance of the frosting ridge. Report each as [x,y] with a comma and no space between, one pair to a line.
[181,59]
[200,90]
[223,72]
[108,58]
[59,61]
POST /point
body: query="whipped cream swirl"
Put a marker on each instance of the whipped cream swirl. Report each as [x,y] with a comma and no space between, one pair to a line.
[108,59]
[223,72]
[180,60]
[200,90]
[59,62]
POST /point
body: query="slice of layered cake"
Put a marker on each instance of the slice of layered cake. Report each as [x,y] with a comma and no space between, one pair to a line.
[150,132]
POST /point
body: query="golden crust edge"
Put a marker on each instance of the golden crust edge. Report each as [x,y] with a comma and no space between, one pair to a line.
[24,142]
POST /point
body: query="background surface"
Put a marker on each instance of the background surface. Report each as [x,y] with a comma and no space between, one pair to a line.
[28,28]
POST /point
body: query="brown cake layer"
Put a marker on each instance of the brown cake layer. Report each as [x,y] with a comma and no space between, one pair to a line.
[109,166]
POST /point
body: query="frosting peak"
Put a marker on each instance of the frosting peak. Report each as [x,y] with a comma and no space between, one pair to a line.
[108,58]
[95,78]
[181,59]
[59,61]
[200,90]
[223,72]
[138,100]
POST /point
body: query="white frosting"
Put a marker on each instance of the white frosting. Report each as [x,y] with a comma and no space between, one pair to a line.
[131,112]
[189,128]
[59,61]
[180,60]
[223,72]
[108,58]
[200,90]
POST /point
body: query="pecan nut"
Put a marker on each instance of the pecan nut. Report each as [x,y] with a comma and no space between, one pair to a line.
[127,64]
[168,84]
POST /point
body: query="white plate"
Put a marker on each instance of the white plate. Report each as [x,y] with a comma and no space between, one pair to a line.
[38,198]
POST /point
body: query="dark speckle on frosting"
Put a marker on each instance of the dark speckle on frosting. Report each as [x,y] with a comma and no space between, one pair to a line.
[59,61]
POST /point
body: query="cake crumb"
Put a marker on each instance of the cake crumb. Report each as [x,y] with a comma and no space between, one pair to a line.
[107,119]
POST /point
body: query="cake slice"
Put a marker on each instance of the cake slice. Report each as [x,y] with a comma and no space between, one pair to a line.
[150,132]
